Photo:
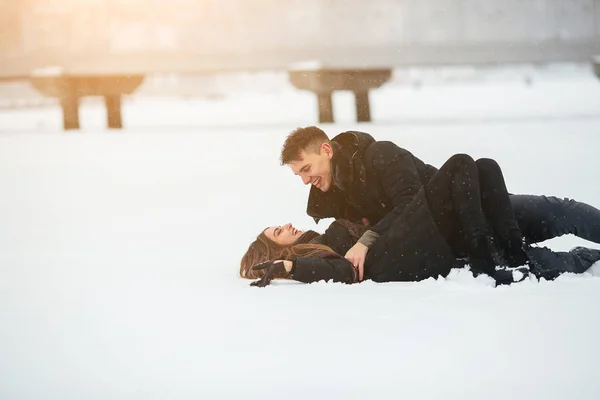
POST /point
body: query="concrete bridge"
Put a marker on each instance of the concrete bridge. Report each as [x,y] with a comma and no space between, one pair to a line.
[112,43]
[191,36]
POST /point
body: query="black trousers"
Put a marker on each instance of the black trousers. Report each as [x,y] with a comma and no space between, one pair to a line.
[465,200]
[545,217]
[510,217]
[469,201]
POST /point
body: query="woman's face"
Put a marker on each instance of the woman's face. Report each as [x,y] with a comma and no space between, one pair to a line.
[283,235]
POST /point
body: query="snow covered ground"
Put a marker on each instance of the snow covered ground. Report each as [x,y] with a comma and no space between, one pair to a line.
[119,254]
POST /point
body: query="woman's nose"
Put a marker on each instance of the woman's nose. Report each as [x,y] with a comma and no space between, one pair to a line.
[287,226]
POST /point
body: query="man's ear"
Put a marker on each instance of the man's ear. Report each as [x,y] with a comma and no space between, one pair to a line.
[326,147]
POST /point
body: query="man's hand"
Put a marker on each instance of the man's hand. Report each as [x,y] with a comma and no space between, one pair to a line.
[356,255]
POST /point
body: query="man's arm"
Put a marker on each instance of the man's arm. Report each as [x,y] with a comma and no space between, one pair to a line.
[399,179]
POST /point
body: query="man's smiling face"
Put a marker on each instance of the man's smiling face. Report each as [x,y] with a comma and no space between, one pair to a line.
[314,167]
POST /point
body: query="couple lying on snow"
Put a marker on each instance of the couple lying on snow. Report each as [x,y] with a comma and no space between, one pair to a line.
[399,219]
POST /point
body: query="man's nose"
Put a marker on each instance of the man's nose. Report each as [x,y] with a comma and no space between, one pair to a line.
[305,179]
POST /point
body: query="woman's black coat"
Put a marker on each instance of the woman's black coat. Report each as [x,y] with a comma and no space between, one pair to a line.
[411,250]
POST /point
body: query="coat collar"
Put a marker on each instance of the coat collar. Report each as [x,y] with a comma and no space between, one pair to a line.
[348,172]
[347,167]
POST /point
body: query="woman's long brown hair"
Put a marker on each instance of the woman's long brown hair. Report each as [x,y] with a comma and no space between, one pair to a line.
[263,249]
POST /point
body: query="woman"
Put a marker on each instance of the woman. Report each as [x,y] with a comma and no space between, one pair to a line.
[446,219]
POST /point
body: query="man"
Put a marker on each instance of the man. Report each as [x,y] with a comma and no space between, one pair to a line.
[338,170]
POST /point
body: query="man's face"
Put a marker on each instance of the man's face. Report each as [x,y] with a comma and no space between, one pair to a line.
[314,167]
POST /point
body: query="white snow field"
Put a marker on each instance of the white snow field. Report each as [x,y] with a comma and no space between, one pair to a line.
[119,253]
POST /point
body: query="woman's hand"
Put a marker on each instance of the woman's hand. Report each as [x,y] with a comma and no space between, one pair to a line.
[271,269]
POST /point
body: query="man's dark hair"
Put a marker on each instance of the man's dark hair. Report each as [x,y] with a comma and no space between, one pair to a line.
[308,139]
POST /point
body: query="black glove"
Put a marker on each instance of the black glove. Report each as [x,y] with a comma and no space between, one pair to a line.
[271,269]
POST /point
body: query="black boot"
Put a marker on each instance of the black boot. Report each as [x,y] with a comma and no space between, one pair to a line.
[584,258]
[480,255]
[549,264]
[514,251]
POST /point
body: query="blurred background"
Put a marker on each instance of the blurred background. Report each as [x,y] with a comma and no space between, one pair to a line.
[195,35]
[216,48]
